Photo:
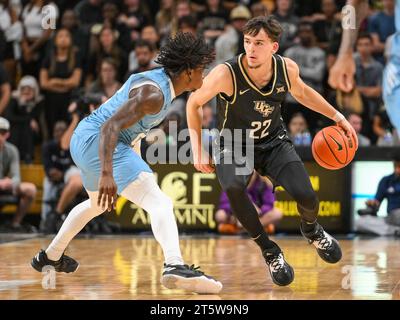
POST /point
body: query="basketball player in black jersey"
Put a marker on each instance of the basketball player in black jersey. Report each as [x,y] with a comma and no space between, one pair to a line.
[250,89]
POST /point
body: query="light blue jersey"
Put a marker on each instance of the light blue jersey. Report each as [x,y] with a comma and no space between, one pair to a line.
[93,122]
[395,45]
[391,75]
[127,165]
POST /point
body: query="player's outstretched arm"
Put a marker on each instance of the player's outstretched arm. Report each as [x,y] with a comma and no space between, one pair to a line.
[218,80]
[310,98]
[144,100]
[341,75]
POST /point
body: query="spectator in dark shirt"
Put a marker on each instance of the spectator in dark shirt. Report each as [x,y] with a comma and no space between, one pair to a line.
[89,12]
[213,20]
[135,15]
[388,188]
[328,28]
[59,76]
[289,21]
[62,182]
[80,35]
[106,46]
[24,113]
[5,89]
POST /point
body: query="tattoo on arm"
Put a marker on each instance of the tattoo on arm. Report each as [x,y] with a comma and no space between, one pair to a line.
[146,99]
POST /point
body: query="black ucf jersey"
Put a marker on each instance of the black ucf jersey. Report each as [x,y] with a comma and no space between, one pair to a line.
[257,110]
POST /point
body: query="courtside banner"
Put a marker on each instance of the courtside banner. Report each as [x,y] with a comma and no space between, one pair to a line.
[196,197]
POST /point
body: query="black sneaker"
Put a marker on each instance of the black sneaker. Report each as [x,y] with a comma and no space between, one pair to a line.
[189,278]
[327,247]
[281,272]
[64,264]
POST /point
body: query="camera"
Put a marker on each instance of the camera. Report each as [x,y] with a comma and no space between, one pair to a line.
[370,210]
[85,101]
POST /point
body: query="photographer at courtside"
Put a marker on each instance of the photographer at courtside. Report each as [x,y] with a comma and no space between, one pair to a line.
[388,188]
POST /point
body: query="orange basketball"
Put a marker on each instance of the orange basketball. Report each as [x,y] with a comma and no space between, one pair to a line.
[332,149]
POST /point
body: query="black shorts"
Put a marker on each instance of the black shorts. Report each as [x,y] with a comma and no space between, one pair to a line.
[269,159]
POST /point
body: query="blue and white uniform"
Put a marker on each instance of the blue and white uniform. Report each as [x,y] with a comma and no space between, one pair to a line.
[127,164]
[391,74]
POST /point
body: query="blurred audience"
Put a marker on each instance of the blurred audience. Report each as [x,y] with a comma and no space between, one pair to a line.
[10,181]
[59,76]
[24,113]
[357,123]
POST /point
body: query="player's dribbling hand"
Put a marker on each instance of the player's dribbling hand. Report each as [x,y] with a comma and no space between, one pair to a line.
[203,163]
[349,130]
[341,75]
[107,192]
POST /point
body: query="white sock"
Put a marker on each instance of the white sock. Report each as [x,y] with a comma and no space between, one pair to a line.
[145,193]
[79,216]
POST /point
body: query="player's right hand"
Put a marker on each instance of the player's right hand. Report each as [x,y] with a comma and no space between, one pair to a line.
[203,162]
[107,192]
[349,130]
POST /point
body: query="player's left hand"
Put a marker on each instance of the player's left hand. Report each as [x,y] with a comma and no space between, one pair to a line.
[341,75]
[107,192]
[349,130]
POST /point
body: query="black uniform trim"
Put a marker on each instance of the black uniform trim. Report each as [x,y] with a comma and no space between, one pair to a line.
[230,100]
[226,116]
[285,72]
[251,83]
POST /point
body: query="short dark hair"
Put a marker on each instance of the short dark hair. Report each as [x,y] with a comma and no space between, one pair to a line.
[305,24]
[143,43]
[189,21]
[348,114]
[269,23]
[396,156]
[184,51]
[364,35]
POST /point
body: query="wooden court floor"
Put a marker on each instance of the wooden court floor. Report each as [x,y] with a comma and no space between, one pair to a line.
[128,267]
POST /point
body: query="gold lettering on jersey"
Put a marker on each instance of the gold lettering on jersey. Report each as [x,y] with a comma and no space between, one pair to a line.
[280,89]
[264,108]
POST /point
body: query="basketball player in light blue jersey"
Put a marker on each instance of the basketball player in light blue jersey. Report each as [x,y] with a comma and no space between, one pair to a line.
[101,148]
[341,75]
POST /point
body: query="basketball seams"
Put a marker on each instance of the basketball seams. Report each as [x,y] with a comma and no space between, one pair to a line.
[344,141]
[333,153]
[315,153]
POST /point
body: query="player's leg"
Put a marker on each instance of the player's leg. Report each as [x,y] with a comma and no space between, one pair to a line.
[136,182]
[145,193]
[54,255]
[295,180]
[242,207]
[85,155]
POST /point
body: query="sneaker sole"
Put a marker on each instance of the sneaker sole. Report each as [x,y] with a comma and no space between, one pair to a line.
[323,256]
[199,284]
[282,284]
[38,268]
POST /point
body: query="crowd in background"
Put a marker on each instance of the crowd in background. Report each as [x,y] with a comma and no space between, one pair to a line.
[51,77]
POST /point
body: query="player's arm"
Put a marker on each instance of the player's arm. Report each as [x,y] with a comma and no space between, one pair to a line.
[380,194]
[214,83]
[341,75]
[143,100]
[310,98]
